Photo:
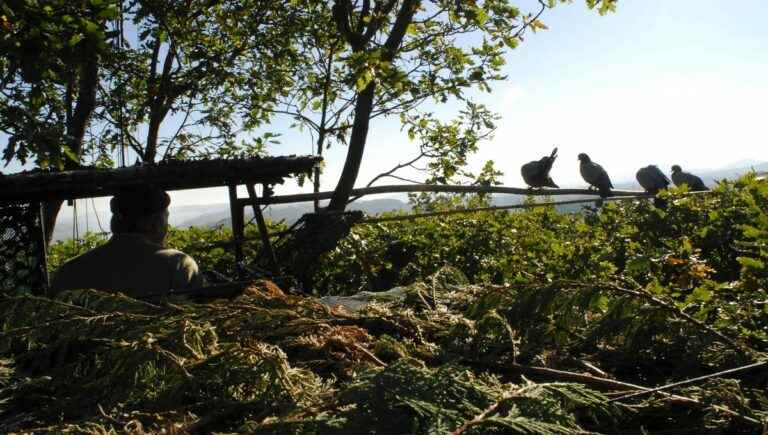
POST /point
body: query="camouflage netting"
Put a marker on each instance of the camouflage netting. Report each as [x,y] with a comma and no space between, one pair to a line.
[446,358]
[22,265]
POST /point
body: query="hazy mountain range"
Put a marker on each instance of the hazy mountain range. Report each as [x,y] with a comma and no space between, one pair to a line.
[211,215]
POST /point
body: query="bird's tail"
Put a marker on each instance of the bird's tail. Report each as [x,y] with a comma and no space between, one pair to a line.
[605,191]
[553,156]
[551,183]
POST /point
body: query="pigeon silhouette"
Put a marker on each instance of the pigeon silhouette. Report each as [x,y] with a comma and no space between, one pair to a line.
[536,173]
[652,179]
[595,175]
[694,183]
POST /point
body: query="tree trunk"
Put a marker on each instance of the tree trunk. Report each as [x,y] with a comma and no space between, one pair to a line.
[159,108]
[363,109]
[364,104]
[84,106]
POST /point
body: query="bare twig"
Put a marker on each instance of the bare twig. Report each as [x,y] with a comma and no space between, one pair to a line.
[691,381]
[609,384]
[370,355]
[642,294]
[482,416]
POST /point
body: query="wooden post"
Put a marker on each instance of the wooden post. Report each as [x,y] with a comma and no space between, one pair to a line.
[238,227]
[263,232]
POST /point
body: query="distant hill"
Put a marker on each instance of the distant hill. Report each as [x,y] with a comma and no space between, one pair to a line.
[218,214]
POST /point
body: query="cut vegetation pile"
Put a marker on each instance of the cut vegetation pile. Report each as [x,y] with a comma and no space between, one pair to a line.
[553,352]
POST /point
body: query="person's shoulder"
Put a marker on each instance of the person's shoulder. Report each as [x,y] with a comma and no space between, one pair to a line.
[176,257]
[171,253]
[84,259]
[186,274]
[71,271]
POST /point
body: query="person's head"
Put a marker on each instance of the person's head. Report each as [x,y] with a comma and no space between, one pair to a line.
[141,210]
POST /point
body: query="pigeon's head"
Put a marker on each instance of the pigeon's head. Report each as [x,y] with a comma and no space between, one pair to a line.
[583,158]
[676,168]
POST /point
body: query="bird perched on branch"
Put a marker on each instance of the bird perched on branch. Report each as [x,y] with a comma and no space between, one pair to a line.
[652,179]
[595,175]
[536,173]
[694,183]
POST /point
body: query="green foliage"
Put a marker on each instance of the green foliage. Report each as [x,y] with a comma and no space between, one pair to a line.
[644,295]
[384,58]
[46,61]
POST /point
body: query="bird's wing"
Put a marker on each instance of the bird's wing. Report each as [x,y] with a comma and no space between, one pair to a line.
[661,177]
[678,178]
[529,171]
[602,176]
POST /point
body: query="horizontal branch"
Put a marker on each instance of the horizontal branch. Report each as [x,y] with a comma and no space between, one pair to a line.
[376,190]
[408,217]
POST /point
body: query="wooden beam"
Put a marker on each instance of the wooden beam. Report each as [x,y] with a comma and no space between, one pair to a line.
[238,227]
[177,175]
[266,243]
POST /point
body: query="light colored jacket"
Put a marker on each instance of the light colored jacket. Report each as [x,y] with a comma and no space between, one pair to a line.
[131,264]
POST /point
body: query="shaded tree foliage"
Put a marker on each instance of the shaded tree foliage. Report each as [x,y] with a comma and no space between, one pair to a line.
[75,84]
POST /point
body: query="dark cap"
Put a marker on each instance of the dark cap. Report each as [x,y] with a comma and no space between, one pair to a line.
[139,201]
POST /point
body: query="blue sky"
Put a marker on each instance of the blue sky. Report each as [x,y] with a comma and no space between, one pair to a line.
[659,81]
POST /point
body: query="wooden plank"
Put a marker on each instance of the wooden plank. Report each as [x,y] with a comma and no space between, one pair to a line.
[238,227]
[262,224]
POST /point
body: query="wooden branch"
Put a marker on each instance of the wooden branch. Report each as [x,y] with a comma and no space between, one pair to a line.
[387,174]
[415,216]
[480,417]
[606,384]
[690,381]
[447,188]
[653,300]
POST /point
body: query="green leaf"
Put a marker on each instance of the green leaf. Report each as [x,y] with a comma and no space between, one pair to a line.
[751,263]
[701,294]
[75,39]
[91,27]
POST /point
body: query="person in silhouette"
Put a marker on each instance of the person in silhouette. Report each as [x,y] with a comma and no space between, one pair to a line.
[134,260]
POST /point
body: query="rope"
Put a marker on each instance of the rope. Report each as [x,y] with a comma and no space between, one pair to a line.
[120,102]
[96,213]
[75,230]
